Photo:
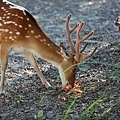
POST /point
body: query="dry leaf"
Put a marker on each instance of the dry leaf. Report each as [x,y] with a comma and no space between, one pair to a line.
[62,97]
[2,101]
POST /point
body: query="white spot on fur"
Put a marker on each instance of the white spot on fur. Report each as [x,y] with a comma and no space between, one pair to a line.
[48,44]
[36,37]
[10,22]
[10,37]
[20,26]
[28,19]
[21,17]
[8,17]
[15,24]
[17,33]
[4,14]
[52,44]
[41,40]
[39,36]
[15,37]
[13,15]
[44,40]
[32,31]
[7,22]
[0,24]
[10,32]
[27,36]
[6,30]
[2,8]
[8,13]
[29,25]
[16,15]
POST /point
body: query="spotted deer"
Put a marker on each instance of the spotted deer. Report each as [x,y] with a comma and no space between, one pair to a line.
[19,31]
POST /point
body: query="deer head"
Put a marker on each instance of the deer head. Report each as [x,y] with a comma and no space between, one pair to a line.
[75,56]
[117,22]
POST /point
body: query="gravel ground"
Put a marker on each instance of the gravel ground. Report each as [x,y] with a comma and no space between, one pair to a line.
[26,98]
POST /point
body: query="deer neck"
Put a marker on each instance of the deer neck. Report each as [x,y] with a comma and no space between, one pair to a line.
[48,50]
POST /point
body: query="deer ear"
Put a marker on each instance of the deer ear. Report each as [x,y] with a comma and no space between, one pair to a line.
[64,53]
[62,45]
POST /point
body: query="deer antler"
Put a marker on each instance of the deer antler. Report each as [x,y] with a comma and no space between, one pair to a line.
[79,56]
[69,31]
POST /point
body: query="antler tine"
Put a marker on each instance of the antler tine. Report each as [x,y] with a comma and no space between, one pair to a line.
[78,56]
[89,55]
[84,47]
[79,39]
[79,27]
[69,31]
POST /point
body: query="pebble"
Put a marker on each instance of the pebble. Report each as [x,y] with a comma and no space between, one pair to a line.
[50,114]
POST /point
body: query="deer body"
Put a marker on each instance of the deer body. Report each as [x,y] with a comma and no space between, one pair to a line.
[23,34]
[19,31]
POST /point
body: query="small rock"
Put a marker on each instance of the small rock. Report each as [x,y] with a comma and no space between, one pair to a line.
[50,114]
[4,115]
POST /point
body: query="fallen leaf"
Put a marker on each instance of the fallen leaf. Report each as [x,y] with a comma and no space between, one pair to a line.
[62,97]
[2,101]
[67,88]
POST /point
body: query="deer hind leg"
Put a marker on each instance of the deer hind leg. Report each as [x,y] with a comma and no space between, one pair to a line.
[3,60]
[33,62]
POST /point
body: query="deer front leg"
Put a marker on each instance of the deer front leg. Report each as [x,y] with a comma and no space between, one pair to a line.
[33,62]
[3,60]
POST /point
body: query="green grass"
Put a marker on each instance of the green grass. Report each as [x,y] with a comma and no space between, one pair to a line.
[72,102]
[40,112]
[91,109]
[42,99]
[20,98]
[104,112]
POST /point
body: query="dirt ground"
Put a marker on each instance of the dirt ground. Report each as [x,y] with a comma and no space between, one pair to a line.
[99,77]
